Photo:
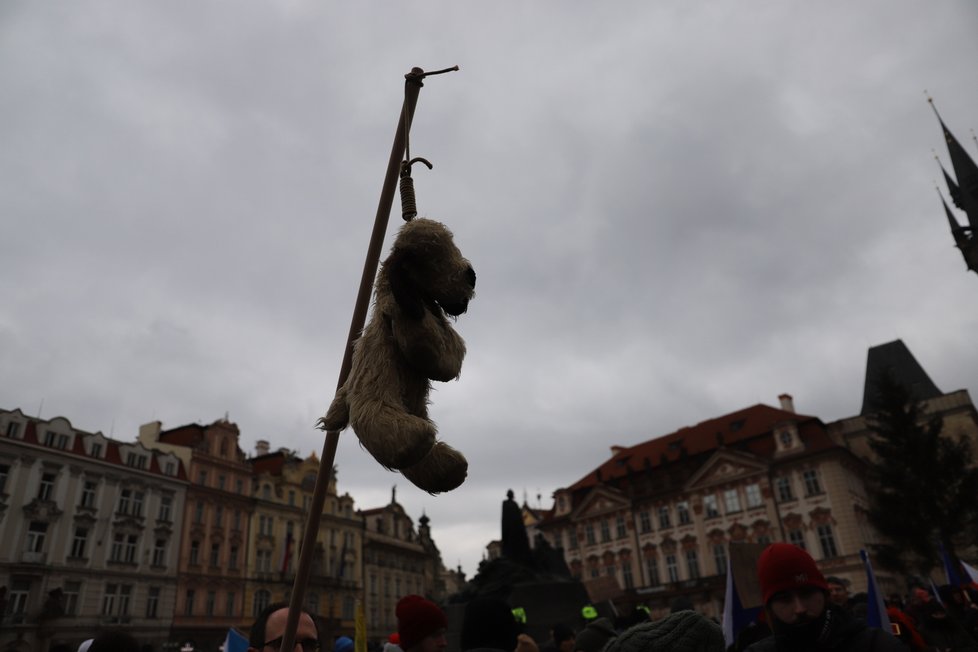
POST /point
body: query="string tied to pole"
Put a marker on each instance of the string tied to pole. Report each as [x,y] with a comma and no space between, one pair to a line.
[409,204]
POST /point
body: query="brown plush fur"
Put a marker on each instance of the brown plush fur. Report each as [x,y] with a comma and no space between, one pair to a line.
[407,343]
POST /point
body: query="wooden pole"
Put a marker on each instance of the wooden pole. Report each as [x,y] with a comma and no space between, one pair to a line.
[412,86]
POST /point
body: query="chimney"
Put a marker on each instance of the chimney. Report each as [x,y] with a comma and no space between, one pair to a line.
[787,402]
[261,448]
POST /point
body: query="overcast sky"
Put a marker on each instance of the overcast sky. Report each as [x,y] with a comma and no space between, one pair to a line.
[675,209]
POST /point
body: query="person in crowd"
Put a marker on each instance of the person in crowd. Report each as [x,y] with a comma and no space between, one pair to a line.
[943,633]
[114,641]
[680,631]
[904,628]
[488,625]
[421,625]
[269,628]
[795,596]
[343,644]
[594,637]
[838,591]
[561,639]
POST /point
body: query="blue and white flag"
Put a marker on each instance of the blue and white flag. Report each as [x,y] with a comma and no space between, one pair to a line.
[235,642]
[735,616]
[875,607]
[953,576]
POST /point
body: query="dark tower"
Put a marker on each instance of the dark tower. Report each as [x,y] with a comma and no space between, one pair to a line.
[964,195]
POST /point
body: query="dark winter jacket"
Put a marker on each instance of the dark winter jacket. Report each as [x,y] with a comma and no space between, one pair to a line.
[836,630]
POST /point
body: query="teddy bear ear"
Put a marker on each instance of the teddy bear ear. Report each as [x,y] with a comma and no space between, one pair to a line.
[403,287]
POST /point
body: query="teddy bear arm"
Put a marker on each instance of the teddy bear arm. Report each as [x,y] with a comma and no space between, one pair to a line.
[430,346]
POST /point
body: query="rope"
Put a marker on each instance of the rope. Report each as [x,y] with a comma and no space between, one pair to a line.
[409,207]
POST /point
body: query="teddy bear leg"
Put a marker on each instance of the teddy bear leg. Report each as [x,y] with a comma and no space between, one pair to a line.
[394,437]
[443,469]
[338,415]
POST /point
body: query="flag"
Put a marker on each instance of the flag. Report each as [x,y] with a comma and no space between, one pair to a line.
[875,607]
[972,574]
[950,570]
[935,593]
[283,566]
[735,616]
[235,642]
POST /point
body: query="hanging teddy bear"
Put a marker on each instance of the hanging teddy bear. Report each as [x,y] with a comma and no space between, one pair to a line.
[408,342]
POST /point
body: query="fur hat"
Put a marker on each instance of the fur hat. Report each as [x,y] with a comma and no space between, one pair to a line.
[594,637]
[783,567]
[488,623]
[418,618]
[682,631]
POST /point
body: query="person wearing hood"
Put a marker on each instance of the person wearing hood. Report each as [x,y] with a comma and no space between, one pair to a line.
[796,600]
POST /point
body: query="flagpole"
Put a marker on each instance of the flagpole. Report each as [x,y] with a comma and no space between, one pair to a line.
[412,87]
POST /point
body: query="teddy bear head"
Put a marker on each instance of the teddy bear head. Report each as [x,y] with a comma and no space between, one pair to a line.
[427,271]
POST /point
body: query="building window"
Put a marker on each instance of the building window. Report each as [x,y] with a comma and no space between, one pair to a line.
[645,522]
[136,461]
[97,450]
[152,601]
[88,494]
[764,539]
[221,480]
[137,504]
[693,564]
[605,531]
[4,472]
[263,560]
[188,603]
[49,438]
[239,486]
[229,605]
[626,575]
[233,557]
[710,506]
[812,486]
[36,532]
[236,524]
[218,515]
[827,541]
[13,428]
[572,539]
[159,552]
[754,498]
[610,570]
[194,553]
[652,564]
[291,498]
[115,602]
[71,591]
[202,478]
[731,500]
[783,486]
[123,506]
[46,488]
[199,512]
[672,568]
[720,557]
[589,534]
[215,555]
[797,537]
[166,509]
[78,543]
[620,528]
[124,548]
[664,520]
[20,591]
[348,607]
[170,469]
[682,513]
[262,597]
[210,603]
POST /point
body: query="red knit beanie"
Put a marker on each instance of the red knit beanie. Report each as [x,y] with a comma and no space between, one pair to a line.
[783,567]
[418,618]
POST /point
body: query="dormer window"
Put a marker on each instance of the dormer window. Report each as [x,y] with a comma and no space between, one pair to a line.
[13,430]
[136,461]
[786,439]
[97,449]
[170,468]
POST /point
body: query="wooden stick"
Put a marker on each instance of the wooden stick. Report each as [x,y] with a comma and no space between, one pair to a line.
[412,86]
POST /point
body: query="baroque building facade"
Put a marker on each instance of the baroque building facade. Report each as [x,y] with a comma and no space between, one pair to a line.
[91,530]
[399,560]
[654,521]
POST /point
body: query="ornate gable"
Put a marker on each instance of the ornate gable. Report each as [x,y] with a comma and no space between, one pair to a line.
[601,500]
[726,466]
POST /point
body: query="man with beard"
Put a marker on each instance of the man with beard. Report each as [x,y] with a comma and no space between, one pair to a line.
[796,599]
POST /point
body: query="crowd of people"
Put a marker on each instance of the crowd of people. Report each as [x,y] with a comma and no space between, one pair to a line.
[802,611]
